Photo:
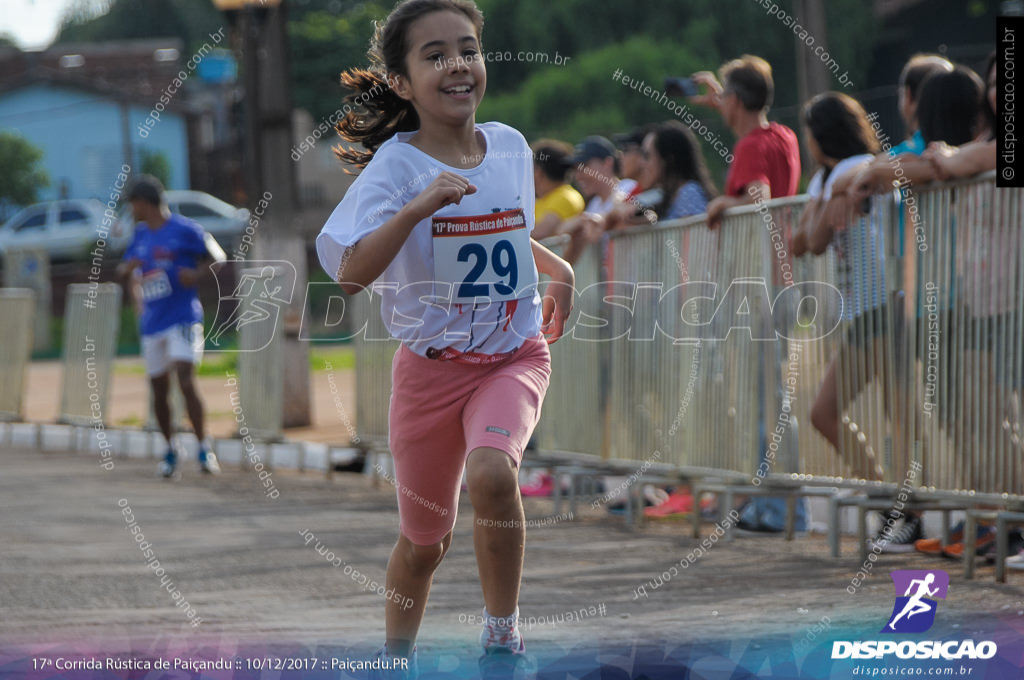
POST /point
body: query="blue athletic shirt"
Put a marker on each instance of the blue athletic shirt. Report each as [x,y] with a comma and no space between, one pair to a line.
[178,243]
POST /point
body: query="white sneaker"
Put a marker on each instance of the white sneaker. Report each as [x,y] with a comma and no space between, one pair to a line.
[1015,561]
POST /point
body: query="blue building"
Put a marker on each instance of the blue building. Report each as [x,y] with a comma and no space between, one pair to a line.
[86,133]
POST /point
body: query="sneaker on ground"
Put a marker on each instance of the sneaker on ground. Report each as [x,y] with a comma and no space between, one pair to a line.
[395,668]
[1014,545]
[501,634]
[901,540]
[169,465]
[208,462]
[933,546]
[1015,561]
[985,540]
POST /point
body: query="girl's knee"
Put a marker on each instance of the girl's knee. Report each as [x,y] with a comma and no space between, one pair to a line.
[423,557]
[495,479]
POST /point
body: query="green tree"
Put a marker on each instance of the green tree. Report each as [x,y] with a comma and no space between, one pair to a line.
[21,176]
[323,44]
[155,163]
[190,20]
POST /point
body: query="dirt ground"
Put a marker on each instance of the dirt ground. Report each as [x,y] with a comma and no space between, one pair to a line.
[70,573]
[74,582]
[129,400]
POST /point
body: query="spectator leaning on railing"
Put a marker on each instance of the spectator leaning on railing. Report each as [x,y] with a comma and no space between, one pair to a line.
[840,136]
[974,157]
[557,201]
[597,165]
[766,158]
[630,146]
[882,168]
[766,165]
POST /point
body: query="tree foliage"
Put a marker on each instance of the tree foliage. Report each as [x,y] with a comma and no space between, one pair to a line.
[21,174]
[156,163]
[649,39]
[190,20]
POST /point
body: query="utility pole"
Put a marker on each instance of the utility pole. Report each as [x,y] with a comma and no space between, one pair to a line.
[813,76]
[271,181]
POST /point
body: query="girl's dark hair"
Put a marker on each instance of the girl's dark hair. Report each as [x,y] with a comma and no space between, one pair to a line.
[840,126]
[986,108]
[553,157]
[682,162]
[374,113]
[948,106]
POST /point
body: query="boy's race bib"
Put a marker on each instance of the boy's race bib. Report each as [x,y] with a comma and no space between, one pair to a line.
[484,257]
[155,285]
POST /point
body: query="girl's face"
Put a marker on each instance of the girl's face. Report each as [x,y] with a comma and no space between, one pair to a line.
[447,78]
[651,167]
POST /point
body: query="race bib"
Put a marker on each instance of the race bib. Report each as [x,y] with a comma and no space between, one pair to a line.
[155,285]
[484,257]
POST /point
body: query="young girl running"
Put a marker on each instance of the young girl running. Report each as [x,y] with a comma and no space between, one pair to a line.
[439,222]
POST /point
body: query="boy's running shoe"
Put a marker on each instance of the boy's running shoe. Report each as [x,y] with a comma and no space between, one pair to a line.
[208,462]
[169,465]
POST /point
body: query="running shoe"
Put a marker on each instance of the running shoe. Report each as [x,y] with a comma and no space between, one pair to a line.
[1015,561]
[208,462]
[169,465]
[902,540]
[502,640]
[504,656]
[1014,545]
[392,668]
[985,541]
[933,546]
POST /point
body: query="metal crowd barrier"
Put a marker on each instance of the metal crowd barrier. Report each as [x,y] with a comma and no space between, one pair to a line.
[687,348]
[17,309]
[574,416]
[92,321]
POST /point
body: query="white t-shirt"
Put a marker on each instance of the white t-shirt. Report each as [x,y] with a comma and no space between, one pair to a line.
[465,279]
[602,206]
[860,254]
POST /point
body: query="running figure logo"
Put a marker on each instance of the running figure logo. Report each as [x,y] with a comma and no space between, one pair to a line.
[258,297]
[916,594]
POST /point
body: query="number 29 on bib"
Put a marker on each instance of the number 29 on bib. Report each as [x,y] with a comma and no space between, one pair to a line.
[484,257]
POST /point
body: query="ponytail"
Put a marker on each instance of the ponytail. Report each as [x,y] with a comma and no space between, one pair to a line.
[374,112]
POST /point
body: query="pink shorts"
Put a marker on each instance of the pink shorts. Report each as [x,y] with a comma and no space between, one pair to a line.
[443,410]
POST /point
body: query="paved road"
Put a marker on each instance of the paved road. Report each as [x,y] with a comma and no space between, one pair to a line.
[71,573]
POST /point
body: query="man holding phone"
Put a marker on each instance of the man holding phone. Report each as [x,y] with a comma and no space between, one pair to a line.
[766,158]
[766,165]
[171,252]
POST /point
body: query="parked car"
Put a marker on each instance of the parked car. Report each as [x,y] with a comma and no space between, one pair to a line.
[67,229]
[221,220]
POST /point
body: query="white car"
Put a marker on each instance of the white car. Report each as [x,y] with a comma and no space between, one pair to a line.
[67,230]
[221,220]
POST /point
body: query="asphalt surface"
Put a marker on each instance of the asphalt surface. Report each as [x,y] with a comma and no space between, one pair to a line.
[72,572]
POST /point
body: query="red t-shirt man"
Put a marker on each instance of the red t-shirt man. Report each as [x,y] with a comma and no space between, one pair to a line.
[767,155]
[766,158]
